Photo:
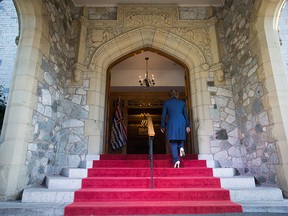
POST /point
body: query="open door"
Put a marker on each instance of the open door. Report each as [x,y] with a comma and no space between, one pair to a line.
[136,99]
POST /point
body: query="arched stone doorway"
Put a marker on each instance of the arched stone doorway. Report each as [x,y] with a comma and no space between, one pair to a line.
[165,42]
[123,83]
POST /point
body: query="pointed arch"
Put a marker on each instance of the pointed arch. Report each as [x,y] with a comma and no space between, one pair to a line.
[141,38]
[157,39]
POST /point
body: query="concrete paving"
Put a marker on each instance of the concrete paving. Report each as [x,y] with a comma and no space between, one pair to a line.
[260,208]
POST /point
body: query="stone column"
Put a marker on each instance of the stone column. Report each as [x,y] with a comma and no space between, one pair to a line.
[78,68]
[17,127]
[94,125]
[201,108]
[83,23]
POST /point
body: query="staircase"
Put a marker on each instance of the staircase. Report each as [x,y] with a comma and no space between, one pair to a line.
[118,185]
[121,184]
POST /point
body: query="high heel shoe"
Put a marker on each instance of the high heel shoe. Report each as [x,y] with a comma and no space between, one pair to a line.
[182,152]
[177,164]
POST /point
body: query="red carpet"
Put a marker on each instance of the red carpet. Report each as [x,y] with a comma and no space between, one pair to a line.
[121,185]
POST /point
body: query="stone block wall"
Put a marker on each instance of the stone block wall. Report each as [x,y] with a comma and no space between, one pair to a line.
[193,13]
[254,152]
[58,122]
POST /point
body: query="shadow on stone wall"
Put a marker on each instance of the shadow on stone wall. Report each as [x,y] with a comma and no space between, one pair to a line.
[2,107]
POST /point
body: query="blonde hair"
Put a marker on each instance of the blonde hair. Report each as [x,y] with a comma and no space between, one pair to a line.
[173,93]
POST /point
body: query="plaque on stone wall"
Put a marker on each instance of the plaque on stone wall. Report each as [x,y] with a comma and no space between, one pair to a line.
[141,15]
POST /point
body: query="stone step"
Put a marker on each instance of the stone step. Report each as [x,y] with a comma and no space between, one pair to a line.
[88,163]
[241,195]
[238,182]
[18,208]
[82,172]
[259,193]
[280,207]
[60,182]
[75,172]
[210,162]
[45,195]
[224,172]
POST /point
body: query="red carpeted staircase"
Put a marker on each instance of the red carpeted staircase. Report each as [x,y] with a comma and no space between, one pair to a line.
[121,185]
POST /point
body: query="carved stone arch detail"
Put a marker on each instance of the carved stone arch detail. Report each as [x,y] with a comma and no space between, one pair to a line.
[122,45]
[144,37]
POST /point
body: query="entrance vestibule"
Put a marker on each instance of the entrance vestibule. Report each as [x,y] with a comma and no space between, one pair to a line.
[138,100]
[134,107]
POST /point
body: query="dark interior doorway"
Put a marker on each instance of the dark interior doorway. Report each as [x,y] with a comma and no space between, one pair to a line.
[138,142]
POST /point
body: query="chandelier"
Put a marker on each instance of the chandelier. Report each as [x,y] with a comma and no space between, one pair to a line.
[146,81]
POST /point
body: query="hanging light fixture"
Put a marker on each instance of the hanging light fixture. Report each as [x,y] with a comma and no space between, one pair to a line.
[146,81]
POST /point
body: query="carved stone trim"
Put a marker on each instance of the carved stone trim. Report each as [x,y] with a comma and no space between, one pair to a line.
[78,70]
[162,17]
[205,66]
[145,14]
[216,67]
[219,76]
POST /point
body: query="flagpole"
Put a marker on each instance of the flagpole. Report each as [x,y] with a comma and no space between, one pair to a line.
[119,129]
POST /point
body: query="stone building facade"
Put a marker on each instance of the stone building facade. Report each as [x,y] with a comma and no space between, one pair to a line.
[56,113]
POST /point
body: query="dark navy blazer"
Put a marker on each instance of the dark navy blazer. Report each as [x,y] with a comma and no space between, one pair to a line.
[177,120]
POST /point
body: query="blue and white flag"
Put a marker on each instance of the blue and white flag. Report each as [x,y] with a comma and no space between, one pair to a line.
[119,130]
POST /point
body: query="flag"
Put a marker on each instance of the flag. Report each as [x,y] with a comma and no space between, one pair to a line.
[119,130]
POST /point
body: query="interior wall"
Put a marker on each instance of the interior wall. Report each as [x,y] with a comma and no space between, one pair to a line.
[133,104]
[166,72]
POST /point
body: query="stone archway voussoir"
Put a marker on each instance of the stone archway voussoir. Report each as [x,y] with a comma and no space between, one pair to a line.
[148,35]
[160,39]
[171,44]
[102,57]
[124,44]
[135,40]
